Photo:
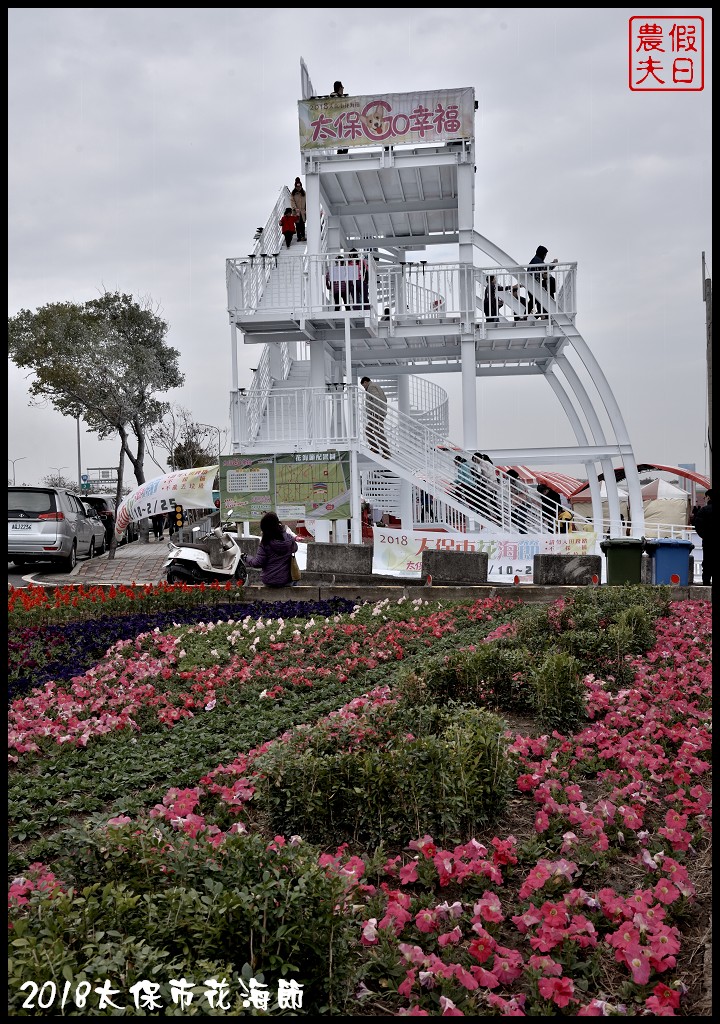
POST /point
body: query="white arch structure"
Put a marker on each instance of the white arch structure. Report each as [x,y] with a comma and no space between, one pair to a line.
[572,395]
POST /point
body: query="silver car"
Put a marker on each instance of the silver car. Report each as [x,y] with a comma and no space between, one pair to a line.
[51,524]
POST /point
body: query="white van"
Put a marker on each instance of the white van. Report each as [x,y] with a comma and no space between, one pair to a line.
[51,524]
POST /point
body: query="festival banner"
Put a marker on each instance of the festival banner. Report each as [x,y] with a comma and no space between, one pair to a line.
[191,488]
[407,118]
[301,485]
[399,552]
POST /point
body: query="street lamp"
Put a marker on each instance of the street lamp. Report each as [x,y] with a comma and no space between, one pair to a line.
[13,465]
[58,470]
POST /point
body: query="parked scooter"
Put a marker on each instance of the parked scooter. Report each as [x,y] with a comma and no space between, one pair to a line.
[215,558]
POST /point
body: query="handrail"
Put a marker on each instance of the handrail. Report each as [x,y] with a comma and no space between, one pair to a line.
[326,418]
[412,292]
[429,404]
[651,531]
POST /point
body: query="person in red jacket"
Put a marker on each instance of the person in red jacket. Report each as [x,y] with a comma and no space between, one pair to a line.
[288,223]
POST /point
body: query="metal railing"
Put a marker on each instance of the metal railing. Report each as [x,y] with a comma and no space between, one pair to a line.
[429,404]
[428,401]
[198,529]
[651,531]
[344,418]
[517,294]
[248,276]
[411,292]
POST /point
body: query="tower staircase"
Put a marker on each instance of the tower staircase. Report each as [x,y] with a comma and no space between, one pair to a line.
[386,203]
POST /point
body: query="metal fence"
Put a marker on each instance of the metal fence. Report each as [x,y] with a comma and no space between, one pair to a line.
[399,293]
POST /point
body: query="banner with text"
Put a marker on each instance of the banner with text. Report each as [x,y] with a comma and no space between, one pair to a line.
[191,488]
[301,485]
[399,552]
[407,118]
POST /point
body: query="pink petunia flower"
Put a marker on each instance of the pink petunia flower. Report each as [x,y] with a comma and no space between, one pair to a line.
[559,990]
[451,938]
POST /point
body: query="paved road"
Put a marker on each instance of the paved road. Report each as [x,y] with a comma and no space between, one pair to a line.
[133,563]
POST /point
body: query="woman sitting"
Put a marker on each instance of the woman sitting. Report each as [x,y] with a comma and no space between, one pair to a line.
[275,550]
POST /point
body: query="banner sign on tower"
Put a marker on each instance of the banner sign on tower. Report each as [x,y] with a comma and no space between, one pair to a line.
[396,119]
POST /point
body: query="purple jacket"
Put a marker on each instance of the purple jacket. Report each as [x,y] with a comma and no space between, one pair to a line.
[274,560]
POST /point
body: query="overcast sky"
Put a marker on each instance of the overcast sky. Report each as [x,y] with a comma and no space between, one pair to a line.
[145,147]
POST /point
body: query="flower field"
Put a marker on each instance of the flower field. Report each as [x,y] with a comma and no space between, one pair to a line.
[401,809]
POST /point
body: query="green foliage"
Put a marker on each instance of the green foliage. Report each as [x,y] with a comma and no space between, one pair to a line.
[605,639]
[559,692]
[407,771]
[103,360]
[492,674]
[150,904]
[608,602]
[535,629]
[634,631]
[541,666]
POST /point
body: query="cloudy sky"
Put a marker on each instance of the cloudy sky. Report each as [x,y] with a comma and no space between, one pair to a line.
[145,147]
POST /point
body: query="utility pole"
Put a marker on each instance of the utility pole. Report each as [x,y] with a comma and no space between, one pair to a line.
[77,420]
[707,296]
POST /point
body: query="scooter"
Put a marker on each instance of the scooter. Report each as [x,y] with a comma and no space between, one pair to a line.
[216,558]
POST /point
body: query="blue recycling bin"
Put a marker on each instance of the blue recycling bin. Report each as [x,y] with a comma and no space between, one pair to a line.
[670,557]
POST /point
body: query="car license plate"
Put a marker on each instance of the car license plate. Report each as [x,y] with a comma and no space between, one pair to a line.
[20,526]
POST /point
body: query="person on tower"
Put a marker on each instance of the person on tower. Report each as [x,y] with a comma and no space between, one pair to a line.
[358,287]
[541,279]
[338,91]
[287,225]
[298,204]
[376,413]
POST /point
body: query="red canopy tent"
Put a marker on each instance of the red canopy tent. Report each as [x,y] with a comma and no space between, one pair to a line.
[560,482]
[643,467]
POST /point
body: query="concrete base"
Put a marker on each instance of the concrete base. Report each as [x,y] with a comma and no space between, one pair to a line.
[566,570]
[528,594]
[248,545]
[349,559]
[455,567]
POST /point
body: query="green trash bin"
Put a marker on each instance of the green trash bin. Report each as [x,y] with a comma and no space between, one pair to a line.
[624,559]
[670,559]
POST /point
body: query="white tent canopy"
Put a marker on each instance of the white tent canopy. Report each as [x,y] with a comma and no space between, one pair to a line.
[664,505]
[584,495]
[582,503]
[663,489]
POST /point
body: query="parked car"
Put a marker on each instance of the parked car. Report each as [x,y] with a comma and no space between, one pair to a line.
[98,527]
[105,505]
[51,524]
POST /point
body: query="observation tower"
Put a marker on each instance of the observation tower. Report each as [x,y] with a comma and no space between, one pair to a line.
[387,178]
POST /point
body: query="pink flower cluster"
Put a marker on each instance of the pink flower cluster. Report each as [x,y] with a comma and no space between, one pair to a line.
[37,878]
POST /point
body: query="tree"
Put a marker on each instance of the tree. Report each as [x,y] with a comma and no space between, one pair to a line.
[104,360]
[58,480]
[188,444]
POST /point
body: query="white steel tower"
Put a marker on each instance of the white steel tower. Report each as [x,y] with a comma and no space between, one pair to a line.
[388,177]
